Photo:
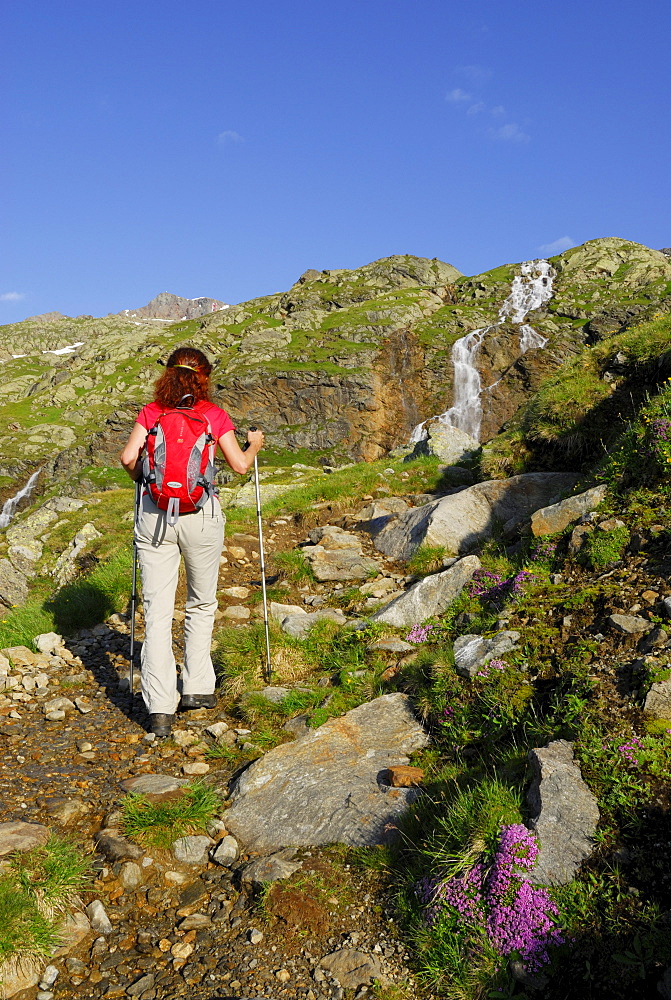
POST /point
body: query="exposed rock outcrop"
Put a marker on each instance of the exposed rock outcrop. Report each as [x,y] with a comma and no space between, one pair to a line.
[462,521]
[564,813]
[430,596]
[324,788]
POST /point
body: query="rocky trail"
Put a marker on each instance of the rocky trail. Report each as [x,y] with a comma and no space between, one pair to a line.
[262,906]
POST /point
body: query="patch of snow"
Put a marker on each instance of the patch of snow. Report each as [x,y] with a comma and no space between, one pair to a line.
[66,350]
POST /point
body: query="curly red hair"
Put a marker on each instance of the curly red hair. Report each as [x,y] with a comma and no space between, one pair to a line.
[187,373]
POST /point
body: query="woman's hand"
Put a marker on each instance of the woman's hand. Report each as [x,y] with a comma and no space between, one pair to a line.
[241,461]
[256,439]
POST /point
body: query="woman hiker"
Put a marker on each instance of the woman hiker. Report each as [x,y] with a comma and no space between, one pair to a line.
[162,538]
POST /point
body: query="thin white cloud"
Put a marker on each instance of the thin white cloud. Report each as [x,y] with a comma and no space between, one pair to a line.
[476,74]
[498,111]
[229,135]
[557,246]
[12,297]
[458,96]
[510,133]
[476,109]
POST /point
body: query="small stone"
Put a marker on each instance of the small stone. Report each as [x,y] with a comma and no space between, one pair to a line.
[192,850]
[404,776]
[84,746]
[84,705]
[130,875]
[195,768]
[237,612]
[20,837]
[241,593]
[50,974]
[255,936]
[56,716]
[114,847]
[236,551]
[49,643]
[283,975]
[97,914]
[44,995]
[66,811]
[153,784]
[217,729]
[140,985]
[629,624]
[272,868]
[181,949]
[60,704]
[185,737]
[391,646]
[195,922]
[227,852]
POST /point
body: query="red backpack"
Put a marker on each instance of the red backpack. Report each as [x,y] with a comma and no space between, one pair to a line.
[178,469]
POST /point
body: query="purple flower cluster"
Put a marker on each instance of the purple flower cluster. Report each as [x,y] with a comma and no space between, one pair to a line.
[518,918]
[544,550]
[419,633]
[630,749]
[499,665]
[496,588]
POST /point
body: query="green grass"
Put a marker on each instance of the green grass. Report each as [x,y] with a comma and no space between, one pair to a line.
[35,889]
[427,559]
[293,566]
[603,548]
[159,824]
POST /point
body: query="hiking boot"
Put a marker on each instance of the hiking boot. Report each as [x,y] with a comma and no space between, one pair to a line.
[160,724]
[198,701]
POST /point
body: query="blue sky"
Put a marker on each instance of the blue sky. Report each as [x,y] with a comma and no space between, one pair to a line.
[220,148]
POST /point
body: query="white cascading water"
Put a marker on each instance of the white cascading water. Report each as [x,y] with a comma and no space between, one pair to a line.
[10,505]
[531,289]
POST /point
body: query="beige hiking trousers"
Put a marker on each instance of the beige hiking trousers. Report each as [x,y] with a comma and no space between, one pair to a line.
[199,538]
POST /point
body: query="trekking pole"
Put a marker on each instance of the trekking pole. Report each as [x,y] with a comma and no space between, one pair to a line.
[269,665]
[133,596]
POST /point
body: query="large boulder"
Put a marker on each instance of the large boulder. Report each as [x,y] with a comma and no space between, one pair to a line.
[340,563]
[431,596]
[658,700]
[564,814]
[450,444]
[556,517]
[325,787]
[462,521]
[13,585]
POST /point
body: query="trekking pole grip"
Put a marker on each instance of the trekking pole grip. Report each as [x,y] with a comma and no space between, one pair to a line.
[247,443]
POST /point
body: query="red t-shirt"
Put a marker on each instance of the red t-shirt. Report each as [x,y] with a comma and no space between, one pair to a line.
[220,422]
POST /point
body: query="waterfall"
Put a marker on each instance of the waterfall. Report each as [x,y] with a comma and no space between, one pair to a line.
[530,290]
[9,508]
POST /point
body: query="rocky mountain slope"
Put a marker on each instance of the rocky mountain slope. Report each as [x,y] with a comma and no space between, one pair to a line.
[345,363]
[491,655]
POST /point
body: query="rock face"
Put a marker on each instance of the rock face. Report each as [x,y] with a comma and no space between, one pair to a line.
[550,520]
[473,652]
[345,360]
[564,814]
[173,308]
[324,788]
[430,596]
[462,521]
